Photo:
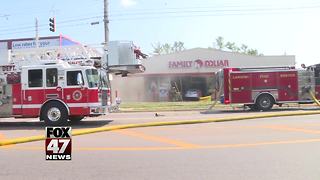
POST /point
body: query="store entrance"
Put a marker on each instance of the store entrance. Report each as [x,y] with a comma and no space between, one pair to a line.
[191,87]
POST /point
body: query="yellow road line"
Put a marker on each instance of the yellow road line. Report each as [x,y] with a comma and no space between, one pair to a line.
[216,146]
[287,128]
[3,137]
[263,143]
[156,138]
[312,124]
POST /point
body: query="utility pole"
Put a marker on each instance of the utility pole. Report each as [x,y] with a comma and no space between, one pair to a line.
[37,33]
[106,41]
[106,25]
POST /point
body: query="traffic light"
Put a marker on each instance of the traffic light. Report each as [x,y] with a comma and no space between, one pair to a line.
[52,24]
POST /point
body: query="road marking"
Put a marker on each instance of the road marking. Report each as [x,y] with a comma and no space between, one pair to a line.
[287,128]
[217,146]
[3,137]
[262,143]
[312,124]
[157,138]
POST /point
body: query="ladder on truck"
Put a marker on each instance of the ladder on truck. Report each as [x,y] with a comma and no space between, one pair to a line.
[75,54]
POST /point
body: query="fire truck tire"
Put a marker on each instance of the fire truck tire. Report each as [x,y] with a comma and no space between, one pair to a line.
[55,114]
[264,102]
[75,119]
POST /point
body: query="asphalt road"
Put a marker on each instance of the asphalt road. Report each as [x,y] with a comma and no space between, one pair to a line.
[271,148]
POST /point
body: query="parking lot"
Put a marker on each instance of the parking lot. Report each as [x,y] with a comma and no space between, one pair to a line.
[270,148]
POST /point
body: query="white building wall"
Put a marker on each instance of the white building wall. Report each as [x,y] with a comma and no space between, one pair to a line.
[215,60]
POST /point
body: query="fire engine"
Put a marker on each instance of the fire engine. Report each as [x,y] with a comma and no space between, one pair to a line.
[261,88]
[54,84]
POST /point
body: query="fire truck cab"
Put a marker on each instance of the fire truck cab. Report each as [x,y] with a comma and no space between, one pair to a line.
[261,88]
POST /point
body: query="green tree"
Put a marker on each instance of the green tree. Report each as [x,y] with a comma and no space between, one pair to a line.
[244,48]
[167,48]
[252,52]
[157,48]
[233,47]
[220,42]
[178,46]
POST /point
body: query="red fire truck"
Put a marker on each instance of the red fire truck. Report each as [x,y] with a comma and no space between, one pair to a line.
[53,86]
[261,88]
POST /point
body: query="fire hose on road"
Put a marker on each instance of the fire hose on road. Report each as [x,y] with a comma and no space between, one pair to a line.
[314,98]
[165,123]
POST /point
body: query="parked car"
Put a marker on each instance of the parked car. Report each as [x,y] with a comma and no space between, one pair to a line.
[193,94]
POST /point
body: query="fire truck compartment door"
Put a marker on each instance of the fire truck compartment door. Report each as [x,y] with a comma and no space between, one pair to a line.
[288,86]
[32,91]
[240,88]
[54,83]
[5,99]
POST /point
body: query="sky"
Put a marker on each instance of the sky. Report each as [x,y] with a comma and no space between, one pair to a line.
[273,27]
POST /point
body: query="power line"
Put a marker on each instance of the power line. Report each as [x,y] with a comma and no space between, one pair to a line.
[58,23]
[218,6]
[45,28]
[164,15]
[197,15]
[172,14]
[215,10]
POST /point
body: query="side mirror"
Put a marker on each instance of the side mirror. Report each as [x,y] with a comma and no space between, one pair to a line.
[79,79]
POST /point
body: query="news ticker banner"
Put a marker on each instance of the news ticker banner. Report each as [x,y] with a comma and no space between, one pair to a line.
[58,143]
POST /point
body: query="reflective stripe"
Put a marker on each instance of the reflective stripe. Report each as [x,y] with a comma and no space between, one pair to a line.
[84,104]
[16,106]
[69,105]
[27,105]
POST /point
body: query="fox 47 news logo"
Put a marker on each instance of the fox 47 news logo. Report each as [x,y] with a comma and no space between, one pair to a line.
[58,143]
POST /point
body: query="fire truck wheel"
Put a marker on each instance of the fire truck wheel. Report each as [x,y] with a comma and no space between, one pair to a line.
[264,102]
[54,113]
[75,119]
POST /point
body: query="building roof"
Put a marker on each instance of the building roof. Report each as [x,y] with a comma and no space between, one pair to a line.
[213,50]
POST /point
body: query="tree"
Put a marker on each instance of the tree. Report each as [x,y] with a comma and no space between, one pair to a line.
[244,48]
[220,42]
[167,48]
[178,46]
[252,52]
[157,48]
[231,46]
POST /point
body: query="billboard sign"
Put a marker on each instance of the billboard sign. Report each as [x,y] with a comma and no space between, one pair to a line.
[32,43]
